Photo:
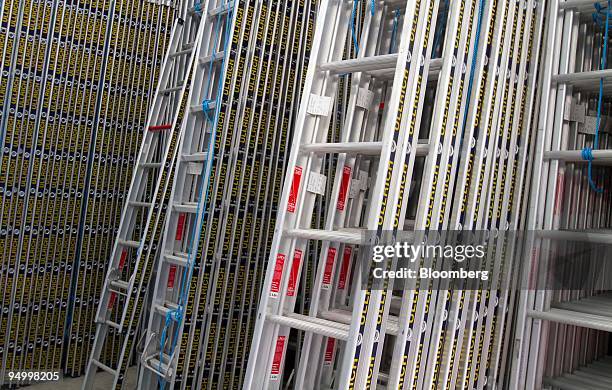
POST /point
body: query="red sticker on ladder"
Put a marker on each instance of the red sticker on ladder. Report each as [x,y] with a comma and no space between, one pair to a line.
[329,351]
[171,277]
[111,301]
[122,260]
[346,261]
[278,275]
[329,267]
[295,187]
[295,269]
[344,185]
[278,358]
[180,227]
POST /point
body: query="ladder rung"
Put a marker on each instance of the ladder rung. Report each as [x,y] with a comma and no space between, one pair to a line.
[134,203]
[583,77]
[129,243]
[112,324]
[195,157]
[367,148]
[103,366]
[212,106]
[594,236]
[151,165]
[218,56]
[172,89]
[313,325]
[574,318]
[580,4]
[191,208]
[362,64]
[187,49]
[346,236]
[181,259]
[222,9]
[167,126]
[345,316]
[160,368]
[600,157]
[364,148]
[165,308]
[120,286]
[435,64]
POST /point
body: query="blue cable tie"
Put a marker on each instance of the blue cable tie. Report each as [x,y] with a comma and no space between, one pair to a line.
[197,7]
[373,7]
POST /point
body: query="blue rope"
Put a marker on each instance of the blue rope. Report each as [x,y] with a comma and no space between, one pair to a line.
[352,24]
[176,315]
[587,153]
[473,64]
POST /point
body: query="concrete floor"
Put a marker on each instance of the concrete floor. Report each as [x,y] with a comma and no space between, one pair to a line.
[103,382]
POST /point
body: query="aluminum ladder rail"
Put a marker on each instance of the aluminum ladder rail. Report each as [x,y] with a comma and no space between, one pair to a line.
[180,242]
[569,75]
[275,316]
[147,200]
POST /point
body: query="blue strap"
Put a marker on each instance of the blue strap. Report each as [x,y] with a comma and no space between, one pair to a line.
[197,7]
[352,25]
[587,153]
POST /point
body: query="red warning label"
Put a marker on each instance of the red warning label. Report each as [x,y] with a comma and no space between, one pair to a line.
[122,260]
[295,187]
[180,227]
[295,269]
[344,267]
[278,358]
[171,277]
[278,275]
[344,186]
[329,267]
[329,351]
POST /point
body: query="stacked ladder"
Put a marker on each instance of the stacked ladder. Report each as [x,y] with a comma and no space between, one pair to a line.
[210,272]
[563,331]
[398,166]
[143,219]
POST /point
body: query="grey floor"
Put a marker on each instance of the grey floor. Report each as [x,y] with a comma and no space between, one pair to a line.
[103,382]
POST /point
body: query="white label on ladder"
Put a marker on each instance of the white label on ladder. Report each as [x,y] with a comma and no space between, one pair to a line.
[329,267]
[295,187]
[278,275]
[194,168]
[365,98]
[319,105]
[316,183]
[578,112]
[346,179]
[329,351]
[355,188]
[344,267]
[295,270]
[171,277]
[590,123]
[278,358]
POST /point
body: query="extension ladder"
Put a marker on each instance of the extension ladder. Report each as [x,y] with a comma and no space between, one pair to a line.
[563,332]
[180,251]
[142,221]
[349,323]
